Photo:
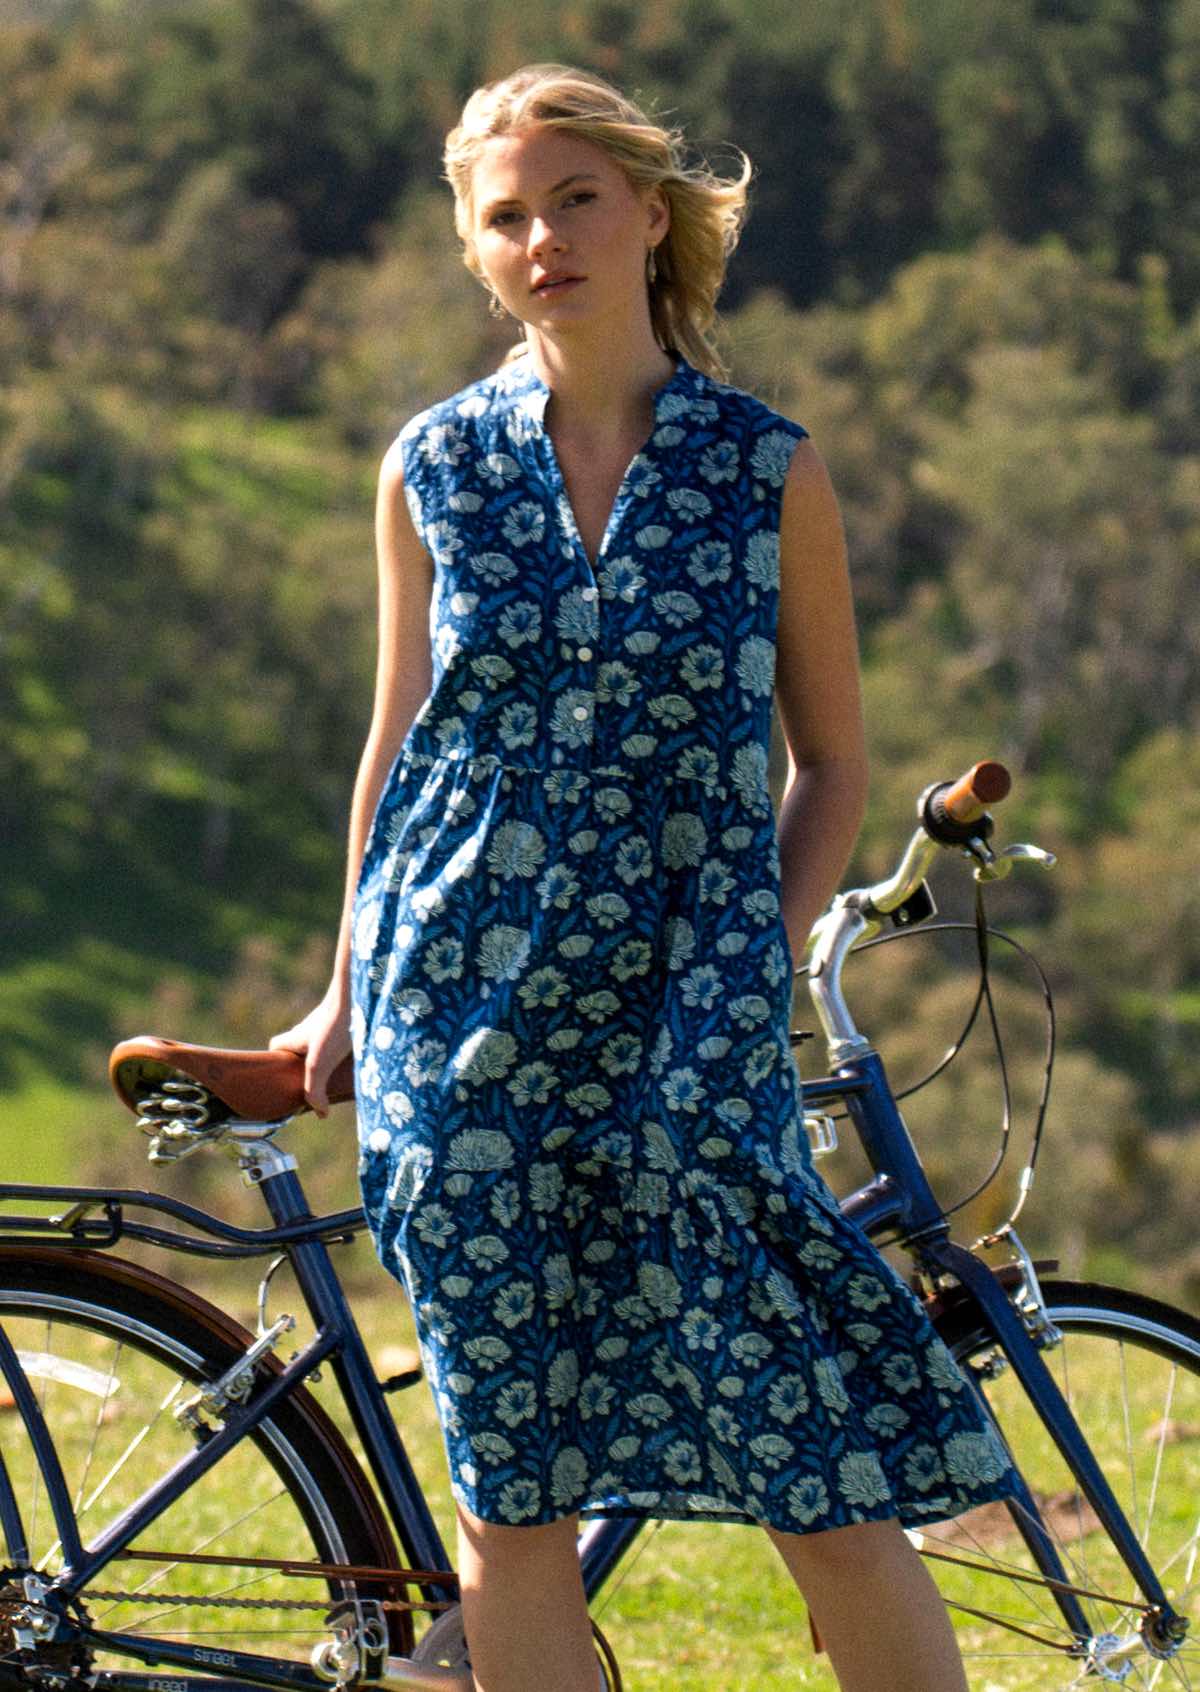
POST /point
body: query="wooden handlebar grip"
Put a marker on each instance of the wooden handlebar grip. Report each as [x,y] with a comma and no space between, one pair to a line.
[985,785]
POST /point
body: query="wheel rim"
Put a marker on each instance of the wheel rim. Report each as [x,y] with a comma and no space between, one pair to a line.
[1133,1384]
[445,1646]
[108,1387]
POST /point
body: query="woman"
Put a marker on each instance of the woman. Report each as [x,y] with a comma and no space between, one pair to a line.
[566,954]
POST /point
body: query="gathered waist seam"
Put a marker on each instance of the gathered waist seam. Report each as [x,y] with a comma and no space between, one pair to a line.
[592,772]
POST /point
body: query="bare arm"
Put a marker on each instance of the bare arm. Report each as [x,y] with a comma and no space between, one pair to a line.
[404,672]
[817,692]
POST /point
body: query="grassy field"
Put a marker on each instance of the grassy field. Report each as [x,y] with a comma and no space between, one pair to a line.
[708,1606]
[695,1605]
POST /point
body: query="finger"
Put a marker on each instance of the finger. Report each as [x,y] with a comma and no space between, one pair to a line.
[315,1090]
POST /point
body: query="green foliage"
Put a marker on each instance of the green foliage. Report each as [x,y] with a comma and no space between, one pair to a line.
[228,274]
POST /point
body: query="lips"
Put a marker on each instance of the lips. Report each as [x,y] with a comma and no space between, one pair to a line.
[555,278]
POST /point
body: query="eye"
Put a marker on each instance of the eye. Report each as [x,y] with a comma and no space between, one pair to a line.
[580,197]
[499,218]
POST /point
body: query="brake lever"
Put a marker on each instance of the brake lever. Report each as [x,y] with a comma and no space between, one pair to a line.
[998,864]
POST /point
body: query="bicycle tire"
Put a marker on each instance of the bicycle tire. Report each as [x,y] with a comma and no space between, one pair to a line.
[444,1645]
[1129,1367]
[111,1350]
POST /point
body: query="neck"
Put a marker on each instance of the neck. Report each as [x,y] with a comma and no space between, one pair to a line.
[599,389]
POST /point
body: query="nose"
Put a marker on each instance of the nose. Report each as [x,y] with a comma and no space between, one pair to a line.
[543,237]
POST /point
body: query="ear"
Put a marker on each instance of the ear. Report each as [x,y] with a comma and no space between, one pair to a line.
[658,213]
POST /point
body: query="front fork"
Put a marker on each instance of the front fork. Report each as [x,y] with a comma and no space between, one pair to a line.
[902,1192]
[1020,1337]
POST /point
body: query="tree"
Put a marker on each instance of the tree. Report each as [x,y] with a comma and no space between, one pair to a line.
[1014,156]
[884,197]
[1074,559]
[1180,169]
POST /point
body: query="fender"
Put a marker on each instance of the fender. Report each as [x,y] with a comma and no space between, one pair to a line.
[105,1270]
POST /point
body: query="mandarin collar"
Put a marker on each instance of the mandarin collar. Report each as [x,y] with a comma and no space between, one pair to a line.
[531,393]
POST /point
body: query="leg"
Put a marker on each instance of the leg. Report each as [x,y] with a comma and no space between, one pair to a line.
[524,1608]
[879,1614]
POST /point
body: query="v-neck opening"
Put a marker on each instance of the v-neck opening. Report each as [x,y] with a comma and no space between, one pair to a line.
[538,397]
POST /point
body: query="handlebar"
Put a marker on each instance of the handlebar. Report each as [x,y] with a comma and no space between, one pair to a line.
[952,814]
[966,800]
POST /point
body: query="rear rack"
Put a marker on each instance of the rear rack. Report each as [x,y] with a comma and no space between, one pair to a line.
[96,1218]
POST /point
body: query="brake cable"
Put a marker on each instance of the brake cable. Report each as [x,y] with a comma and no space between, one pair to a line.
[984,933]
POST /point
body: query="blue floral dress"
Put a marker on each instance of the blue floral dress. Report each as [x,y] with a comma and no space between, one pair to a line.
[582,1150]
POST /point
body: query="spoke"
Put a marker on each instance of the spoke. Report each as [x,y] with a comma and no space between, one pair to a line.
[1186,1548]
[1142,1533]
[1162,1441]
[1176,1667]
[1019,1627]
[101,1407]
[1016,1623]
[160,1574]
[1039,1657]
[134,1444]
[1193,1544]
[1075,1567]
[611,1588]
[1002,1567]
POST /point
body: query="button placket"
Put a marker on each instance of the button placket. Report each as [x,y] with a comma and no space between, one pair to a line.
[589,594]
[584,654]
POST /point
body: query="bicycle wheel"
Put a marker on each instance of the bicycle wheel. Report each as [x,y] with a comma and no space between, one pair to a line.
[444,1646]
[112,1352]
[1130,1369]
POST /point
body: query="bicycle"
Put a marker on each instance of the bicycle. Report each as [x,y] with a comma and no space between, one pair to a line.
[151,1434]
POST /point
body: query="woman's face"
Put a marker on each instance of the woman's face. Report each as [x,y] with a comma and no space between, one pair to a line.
[560,231]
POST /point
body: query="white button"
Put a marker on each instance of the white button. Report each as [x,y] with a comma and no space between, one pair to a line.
[580,713]
[590,592]
[585,652]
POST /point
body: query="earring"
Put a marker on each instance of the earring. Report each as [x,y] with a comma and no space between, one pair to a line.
[651,267]
[495,309]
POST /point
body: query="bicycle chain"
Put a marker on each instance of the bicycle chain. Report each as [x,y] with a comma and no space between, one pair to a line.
[190,1598]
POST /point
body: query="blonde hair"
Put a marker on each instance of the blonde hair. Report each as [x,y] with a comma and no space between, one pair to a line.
[707,211]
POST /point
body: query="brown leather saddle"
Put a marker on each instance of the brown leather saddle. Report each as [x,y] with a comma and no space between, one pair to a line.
[245,1085]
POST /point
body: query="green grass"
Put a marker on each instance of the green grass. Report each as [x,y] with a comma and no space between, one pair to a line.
[701,1605]
[695,1605]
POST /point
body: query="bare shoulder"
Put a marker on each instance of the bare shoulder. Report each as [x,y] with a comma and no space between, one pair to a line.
[391,472]
[817,650]
[813,568]
[810,508]
[399,543]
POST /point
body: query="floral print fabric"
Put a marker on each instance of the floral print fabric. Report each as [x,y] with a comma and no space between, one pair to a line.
[582,1150]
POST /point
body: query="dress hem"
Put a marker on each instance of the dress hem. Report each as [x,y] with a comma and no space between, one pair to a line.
[903,1511]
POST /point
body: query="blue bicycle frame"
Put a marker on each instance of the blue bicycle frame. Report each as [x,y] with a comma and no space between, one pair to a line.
[897,1200]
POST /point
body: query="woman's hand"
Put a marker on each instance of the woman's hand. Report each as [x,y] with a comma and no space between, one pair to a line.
[324,1038]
